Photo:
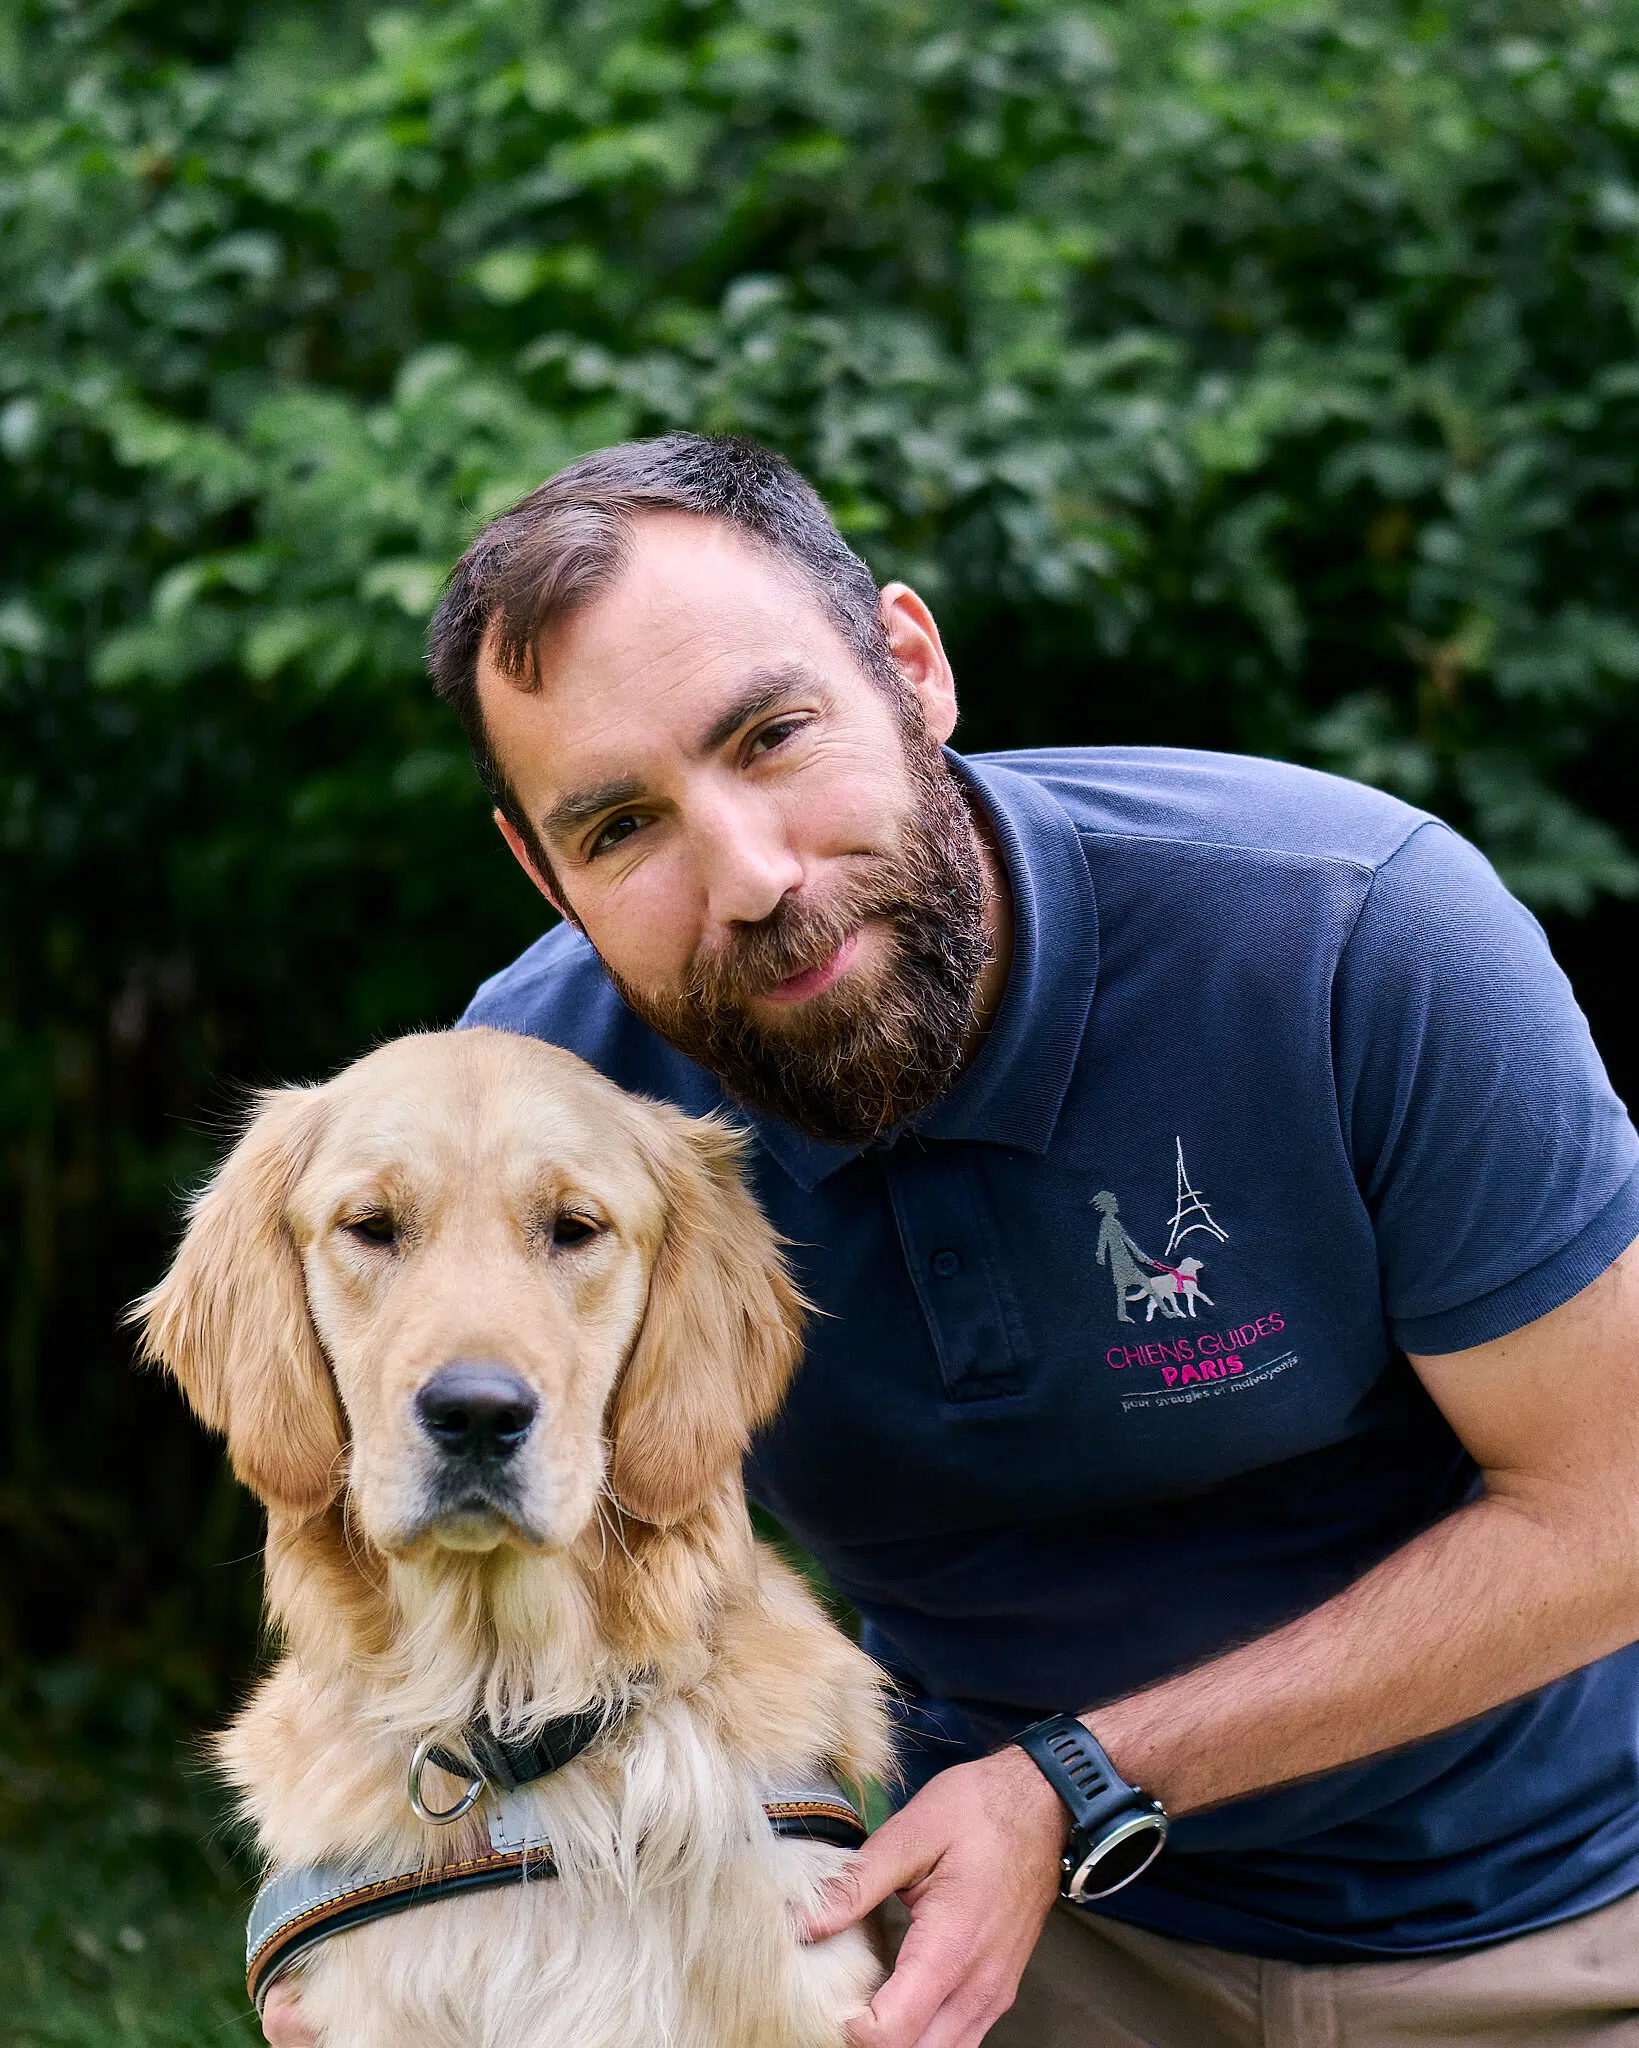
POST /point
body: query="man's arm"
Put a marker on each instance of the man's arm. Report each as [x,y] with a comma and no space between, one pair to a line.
[1539,1576]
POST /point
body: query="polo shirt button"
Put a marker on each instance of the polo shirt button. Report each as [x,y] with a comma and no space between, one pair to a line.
[946,1264]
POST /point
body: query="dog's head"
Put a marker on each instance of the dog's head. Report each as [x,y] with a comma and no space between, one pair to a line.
[476,1283]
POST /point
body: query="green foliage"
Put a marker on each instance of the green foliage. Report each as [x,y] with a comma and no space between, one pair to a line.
[1258,373]
[122,1911]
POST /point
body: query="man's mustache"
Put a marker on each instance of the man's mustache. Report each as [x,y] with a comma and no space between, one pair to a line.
[798,935]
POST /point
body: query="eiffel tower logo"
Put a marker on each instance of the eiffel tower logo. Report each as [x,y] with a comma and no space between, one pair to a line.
[1191,1203]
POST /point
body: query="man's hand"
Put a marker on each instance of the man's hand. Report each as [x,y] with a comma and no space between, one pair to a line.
[975,1856]
[282,2020]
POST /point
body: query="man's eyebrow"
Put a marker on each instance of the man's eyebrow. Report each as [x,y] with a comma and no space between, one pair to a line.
[761,693]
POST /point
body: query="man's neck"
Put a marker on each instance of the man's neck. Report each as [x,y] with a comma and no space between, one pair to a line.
[998,925]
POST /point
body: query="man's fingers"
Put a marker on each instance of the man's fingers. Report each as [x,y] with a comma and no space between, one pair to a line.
[932,2000]
[957,2024]
[901,2011]
[961,2022]
[282,2020]
[975,1857]
[895,1858]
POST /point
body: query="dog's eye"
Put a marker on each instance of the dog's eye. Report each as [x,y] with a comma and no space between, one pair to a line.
[570,1229]
[375,1226]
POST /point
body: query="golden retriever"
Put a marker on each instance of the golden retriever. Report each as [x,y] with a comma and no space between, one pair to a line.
[488,1336]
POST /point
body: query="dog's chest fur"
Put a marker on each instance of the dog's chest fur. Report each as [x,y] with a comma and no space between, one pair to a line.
[672,1923]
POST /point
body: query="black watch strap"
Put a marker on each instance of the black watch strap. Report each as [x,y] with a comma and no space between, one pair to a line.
[1115,1831]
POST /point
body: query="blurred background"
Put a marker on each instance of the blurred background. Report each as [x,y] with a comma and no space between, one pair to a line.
[1257,374]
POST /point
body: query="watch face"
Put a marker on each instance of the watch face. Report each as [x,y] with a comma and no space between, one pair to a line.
[1116,1858]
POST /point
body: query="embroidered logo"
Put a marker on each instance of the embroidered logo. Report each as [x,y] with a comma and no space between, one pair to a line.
[1172,1286]
[1170,1369]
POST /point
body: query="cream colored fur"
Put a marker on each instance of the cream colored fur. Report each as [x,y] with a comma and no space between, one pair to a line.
[624,1570]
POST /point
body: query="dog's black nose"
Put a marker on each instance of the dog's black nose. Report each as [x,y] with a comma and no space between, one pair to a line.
[476,1411]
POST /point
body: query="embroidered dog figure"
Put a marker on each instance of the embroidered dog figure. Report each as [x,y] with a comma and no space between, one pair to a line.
[1172,1282]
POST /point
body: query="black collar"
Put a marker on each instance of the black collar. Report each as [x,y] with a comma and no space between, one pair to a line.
[510,1761]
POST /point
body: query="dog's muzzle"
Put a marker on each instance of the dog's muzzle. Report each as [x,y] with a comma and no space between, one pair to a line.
[475,1418]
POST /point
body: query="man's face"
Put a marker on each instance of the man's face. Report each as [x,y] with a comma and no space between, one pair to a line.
[763,843]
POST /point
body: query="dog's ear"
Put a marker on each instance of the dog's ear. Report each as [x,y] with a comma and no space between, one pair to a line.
[721,1334]
[230,1320]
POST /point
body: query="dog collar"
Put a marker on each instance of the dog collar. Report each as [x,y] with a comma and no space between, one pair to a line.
[305,1904]
[510,1761]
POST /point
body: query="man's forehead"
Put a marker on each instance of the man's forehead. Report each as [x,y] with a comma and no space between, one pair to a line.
[689,592]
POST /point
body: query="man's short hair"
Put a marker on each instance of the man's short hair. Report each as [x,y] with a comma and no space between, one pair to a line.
[556,549]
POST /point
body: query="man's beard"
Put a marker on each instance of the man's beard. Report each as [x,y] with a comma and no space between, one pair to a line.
[876,1049]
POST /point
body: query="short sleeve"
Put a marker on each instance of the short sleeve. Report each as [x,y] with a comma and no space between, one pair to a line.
[1500,1169]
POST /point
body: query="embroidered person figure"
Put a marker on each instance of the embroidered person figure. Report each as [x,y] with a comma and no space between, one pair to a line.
[1118,1251]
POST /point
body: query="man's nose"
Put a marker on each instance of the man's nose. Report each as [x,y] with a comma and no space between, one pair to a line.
[748,863]
[475,1410]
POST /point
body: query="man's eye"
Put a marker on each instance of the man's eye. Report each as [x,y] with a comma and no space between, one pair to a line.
[613,834]
[373,1226]
[774,735]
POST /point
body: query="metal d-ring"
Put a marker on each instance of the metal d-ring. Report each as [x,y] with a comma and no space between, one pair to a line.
[431,1815]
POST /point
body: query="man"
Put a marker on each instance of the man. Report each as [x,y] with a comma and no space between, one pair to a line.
[1341,1565]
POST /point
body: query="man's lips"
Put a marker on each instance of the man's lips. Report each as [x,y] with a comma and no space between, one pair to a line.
[813,981]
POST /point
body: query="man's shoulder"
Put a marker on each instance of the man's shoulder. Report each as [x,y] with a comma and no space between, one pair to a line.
[557,990]
[1176,797]
[559,971]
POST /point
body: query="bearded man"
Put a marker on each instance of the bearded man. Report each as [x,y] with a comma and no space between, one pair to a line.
[1344,1571]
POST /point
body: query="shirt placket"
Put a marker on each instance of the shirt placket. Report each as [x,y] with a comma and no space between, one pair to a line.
[956,1267]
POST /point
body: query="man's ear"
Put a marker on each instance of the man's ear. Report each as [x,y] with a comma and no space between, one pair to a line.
[721,1335]
[920,657]
[230,1321]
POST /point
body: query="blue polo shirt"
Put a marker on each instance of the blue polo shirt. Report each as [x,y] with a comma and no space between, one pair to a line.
[1111,1372]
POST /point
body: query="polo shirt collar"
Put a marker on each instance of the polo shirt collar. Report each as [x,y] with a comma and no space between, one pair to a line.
[1012,1091]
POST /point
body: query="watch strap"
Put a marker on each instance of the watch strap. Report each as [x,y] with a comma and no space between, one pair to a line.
[1074,1763]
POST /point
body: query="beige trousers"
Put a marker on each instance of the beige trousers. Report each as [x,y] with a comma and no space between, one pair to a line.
[1096,1984]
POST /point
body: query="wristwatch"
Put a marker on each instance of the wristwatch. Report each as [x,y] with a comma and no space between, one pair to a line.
[1116,1832]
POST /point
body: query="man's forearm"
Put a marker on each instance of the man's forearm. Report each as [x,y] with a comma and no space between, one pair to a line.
[1498,1599]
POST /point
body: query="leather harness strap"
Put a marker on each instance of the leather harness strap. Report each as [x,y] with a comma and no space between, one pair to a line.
[326,1904]
[298,1908]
